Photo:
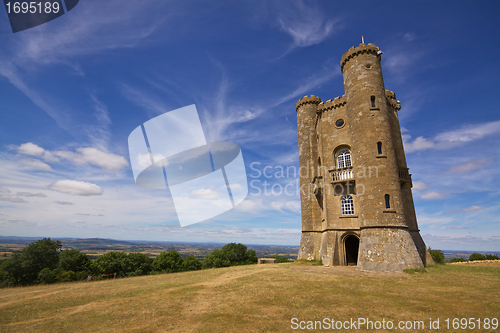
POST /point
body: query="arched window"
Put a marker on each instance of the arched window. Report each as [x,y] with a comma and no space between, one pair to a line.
[379,148]
[344,159]
[387,201]
[347,205]
[372,99]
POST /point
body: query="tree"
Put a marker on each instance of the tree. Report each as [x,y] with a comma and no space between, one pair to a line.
[437,256]
[216,259]
[74,260]
[191,263]
[477,256]
[138,264]
[492,257]
[25,266]
[168,262]
[230,255]
[109,263]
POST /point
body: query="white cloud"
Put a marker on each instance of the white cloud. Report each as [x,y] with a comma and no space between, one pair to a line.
[454,138]
[468,133]
[306,25]
[419,143]
[64,203]
[12,198]
[432,196]
[206,194]
[29,194]
[418,186]
[76,187]
[108,162]
[469,166]
[30,148]
[294,206]
[468,209]
[35,164]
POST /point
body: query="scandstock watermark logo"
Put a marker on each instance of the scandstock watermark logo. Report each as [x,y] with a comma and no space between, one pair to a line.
[316,180]
[28,14]
[205,180]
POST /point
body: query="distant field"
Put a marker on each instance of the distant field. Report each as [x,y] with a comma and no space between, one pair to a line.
[256,298]
[95,247]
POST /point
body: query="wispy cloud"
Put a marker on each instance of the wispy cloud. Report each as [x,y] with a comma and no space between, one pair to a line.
[467,209]
[76,187]
[469,166]
[453,138]
[108,162]
[305,25]
[432,196]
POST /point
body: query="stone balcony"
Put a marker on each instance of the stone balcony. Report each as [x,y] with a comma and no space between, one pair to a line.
[404,175]
[342,175]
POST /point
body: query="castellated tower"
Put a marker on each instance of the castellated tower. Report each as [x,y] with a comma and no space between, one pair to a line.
[357,205]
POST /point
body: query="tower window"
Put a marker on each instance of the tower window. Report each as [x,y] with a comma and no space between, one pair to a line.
[347,205]
[379,148]
[344,159]
[339,123]
[372,99]
[387,201]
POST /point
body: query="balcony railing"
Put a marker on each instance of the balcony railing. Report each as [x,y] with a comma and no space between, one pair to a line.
[342,174]
[404,175]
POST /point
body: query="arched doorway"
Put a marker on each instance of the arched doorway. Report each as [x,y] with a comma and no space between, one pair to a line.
[351,250]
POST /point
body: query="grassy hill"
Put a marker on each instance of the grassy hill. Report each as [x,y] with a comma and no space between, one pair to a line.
[256,298]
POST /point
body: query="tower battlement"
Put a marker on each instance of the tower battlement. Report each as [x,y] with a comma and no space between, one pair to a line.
[361,49]
[331,104]
[307,100]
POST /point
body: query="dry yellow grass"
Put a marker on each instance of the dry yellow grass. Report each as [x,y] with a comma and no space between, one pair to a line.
[257,298]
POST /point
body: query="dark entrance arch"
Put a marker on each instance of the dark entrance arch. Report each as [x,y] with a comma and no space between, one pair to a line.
[351,250]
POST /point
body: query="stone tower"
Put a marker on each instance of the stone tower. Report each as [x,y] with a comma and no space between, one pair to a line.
[357,205]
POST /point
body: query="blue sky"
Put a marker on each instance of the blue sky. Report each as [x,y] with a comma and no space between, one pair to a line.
[73,89]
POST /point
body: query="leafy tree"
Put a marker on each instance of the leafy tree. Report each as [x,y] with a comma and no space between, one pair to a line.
[191,263]
[477,256]
[109,263]
[168,262]
[492,257]
[216,259]
[47,275]
[24,267]
[230,255]
[437,256]
[74,260]
[137,264]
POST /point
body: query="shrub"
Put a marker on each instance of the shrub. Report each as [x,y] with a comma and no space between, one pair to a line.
[281,259]
[437,256]
[492,257]
[456,260]
[477,256]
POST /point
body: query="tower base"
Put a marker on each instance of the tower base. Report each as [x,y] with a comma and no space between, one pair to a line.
[388,250]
